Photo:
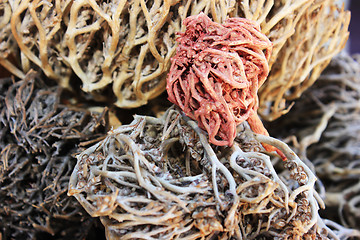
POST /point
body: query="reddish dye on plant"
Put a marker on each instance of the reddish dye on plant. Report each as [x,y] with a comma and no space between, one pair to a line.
[216,73]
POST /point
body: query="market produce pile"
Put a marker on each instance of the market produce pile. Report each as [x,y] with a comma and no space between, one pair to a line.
[203,168]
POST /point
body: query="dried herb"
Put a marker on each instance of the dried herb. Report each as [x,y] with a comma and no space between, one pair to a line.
[39,135]
[159,178]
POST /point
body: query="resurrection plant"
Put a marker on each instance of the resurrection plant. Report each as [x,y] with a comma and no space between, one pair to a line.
[319,33]
[159,178]
[216,73]
[325,123]
[124,47]
[38,135]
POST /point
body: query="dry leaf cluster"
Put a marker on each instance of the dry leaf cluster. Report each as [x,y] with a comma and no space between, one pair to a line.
[325,123]
[126,46]
[38,136]
[159,178]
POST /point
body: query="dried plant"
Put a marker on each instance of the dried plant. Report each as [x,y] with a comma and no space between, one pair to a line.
[127,45]
[7,42]
[325,122]
[38,137]
[321,32]
[159,178]
[216,72]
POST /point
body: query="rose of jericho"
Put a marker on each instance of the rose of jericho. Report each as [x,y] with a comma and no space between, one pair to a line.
[216,73]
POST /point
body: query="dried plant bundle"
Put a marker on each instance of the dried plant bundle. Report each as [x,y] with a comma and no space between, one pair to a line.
[8,48]
[159,178]
[325,122]
[320,32]
[127,46]
[216,72]
[38,136]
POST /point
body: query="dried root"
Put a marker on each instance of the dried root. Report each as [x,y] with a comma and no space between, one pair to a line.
[38,136]
[159,178]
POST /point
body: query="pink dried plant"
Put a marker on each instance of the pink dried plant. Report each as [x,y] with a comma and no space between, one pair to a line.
[216,73]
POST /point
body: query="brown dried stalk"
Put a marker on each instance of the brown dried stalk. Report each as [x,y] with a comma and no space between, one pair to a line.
[38,136]
[159,178]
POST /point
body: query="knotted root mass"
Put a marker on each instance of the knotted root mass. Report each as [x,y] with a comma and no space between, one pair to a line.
[159,178]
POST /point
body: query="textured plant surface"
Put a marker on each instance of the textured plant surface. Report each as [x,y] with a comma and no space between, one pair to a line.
[216,72]
[124,43]
[320,32]
[127,45]
[38,136]
[159,178]
[325,122]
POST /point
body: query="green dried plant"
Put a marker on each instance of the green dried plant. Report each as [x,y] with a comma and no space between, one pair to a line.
[38,137]
[159,178]
[126,46]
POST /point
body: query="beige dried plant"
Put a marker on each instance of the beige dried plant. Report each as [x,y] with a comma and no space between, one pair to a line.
[127,45]
[7,42]
[159,178]
[320,33]
[36,28]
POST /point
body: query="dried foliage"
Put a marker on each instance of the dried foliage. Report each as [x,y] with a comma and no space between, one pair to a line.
[159,178]
[325,123]
[38,137]
[127,45]
[216,72]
